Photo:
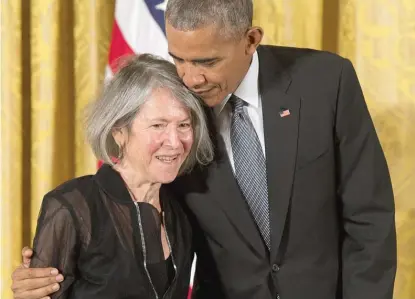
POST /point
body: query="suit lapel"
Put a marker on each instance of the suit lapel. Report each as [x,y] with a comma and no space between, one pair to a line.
[281,135]
[225,191]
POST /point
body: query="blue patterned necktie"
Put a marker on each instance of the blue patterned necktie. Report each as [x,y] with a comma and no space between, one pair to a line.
[250,167]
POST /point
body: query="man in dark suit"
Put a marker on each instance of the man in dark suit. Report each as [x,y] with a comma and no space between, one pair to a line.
[298,202]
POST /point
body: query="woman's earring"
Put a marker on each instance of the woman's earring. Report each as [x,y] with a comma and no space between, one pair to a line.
[120,152]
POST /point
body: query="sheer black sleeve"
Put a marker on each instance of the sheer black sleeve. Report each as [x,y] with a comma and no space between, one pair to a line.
[56,243]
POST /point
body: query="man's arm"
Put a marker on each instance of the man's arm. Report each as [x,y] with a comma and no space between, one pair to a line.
[29,283]
[365,190]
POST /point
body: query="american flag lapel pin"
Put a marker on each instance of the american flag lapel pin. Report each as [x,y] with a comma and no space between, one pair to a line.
[284,112]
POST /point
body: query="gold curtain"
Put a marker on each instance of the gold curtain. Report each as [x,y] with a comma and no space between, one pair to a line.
[53,60]
[53,55]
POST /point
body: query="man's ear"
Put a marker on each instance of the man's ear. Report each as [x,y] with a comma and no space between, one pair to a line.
[254,37]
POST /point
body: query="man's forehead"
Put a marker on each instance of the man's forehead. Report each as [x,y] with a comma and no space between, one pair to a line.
[206,38]
[194,56]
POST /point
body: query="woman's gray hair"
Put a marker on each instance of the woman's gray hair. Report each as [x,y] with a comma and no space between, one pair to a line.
[126,92]
[232,17]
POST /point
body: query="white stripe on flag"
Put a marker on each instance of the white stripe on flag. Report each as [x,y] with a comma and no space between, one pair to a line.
[139,28]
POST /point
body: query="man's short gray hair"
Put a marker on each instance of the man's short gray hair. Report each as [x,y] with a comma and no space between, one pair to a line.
[232,17]
[127,91]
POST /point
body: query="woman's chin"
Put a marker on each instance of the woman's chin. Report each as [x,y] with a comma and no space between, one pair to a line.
[166,177]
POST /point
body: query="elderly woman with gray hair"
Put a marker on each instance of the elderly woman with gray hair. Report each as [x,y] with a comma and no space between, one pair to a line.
[121,233]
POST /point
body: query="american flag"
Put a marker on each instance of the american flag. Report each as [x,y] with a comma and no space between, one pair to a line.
[138,28]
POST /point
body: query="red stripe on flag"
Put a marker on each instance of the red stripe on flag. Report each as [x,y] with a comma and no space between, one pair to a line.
[119,47]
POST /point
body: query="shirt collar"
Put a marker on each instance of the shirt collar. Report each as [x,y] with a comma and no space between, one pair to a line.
[111,182]
[247,89]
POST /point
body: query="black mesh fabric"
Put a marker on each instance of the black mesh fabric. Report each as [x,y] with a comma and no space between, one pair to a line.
[88,228]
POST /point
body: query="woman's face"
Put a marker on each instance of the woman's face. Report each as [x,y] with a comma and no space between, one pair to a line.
[160,138]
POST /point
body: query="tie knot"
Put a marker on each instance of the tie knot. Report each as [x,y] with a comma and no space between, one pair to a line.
[237,104]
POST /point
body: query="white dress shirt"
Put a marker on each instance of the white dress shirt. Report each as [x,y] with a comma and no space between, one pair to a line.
[248,91]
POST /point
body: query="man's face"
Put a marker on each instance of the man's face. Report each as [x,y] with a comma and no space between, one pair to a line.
[209,64]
